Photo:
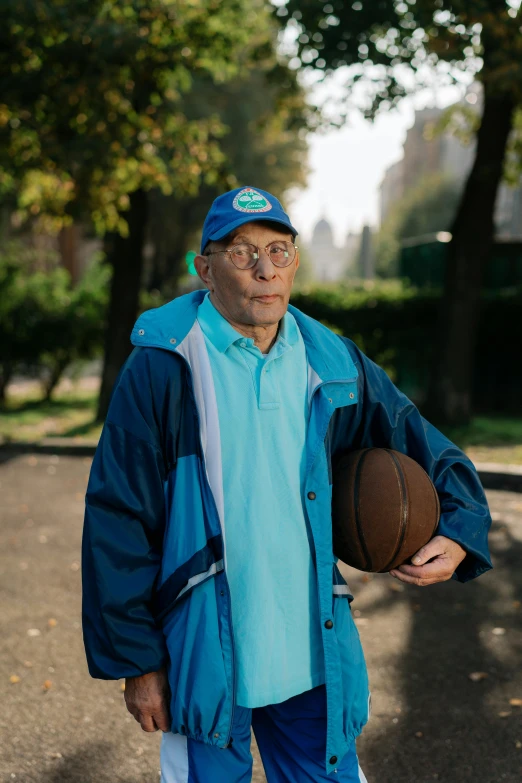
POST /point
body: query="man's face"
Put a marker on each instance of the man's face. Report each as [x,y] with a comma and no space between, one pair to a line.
[258,296]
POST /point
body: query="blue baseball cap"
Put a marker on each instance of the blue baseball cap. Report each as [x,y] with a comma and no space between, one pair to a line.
[242,205]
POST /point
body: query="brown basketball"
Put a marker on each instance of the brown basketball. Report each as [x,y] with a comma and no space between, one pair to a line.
[384,509]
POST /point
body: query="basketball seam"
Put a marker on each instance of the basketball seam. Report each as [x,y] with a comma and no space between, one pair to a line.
[356,504]
[405,509]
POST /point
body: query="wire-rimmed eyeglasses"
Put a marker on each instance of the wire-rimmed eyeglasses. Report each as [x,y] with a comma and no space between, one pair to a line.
[245,255]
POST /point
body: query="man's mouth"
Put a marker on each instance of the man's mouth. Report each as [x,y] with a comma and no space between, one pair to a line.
[267,298]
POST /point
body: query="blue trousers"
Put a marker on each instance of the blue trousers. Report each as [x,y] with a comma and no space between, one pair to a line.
[291,737]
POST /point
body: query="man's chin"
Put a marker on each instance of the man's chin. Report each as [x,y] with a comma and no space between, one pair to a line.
[266,311]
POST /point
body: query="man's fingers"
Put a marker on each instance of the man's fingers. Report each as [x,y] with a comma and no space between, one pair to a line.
[147,697]
[151,719]
[162,720]
[438,570]
[438,567]
[415,580]
[159,720]
[147,723]
[434,562]
[432,549]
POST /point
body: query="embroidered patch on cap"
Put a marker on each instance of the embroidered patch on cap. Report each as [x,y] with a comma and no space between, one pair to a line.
[249,200]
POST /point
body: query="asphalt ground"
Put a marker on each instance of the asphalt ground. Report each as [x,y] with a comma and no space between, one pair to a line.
[430,720]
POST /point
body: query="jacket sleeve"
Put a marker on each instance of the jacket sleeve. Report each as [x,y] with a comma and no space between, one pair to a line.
[123,530]
[386,418]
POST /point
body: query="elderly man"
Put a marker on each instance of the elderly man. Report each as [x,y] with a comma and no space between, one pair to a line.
[209,580]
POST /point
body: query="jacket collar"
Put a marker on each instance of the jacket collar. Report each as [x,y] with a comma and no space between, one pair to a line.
[168,326]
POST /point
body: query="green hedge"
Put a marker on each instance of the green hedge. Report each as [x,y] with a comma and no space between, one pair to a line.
[46,323]
[396,327]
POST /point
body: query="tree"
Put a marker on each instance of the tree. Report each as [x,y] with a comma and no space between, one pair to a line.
[265,118]
[393,48]
[45,322]
[91,119]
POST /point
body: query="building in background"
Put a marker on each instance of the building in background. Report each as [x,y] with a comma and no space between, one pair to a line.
[326,257]
[426,152]
[391,188]
[329,262]
[366,258]
[352,243]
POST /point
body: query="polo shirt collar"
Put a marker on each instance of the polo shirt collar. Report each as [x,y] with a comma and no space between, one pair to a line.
[222,334]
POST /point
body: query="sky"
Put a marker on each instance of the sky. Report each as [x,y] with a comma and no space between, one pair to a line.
[347,166]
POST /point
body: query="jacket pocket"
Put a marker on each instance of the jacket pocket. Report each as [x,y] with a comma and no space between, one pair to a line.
[355,688]
[198,678]
[340,587]
[203,565]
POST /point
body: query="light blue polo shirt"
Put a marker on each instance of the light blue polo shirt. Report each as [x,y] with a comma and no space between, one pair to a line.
[262,408]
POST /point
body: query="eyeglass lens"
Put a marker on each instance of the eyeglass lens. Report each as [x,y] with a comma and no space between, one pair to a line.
[245,255]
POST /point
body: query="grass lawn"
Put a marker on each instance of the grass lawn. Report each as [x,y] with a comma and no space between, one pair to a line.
[490,439]
[71,414]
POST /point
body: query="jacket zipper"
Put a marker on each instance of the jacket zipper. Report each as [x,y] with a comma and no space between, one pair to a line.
[224,569]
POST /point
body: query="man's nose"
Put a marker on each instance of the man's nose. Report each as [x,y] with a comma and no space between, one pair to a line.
[264,269]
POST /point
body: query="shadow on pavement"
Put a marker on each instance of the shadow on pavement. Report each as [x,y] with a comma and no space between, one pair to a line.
[93,763]
[449,727]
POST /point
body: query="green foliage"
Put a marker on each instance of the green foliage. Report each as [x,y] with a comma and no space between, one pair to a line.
[513,160]
[31,291]
[489,432]
[305,273]
[265,118]
[426,208]
[45,323]
[448,37]
[355,311]
[459,120]
[395,325]
[264,113]
[91,101]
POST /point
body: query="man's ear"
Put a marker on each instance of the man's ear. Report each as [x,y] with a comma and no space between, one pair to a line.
[202,267]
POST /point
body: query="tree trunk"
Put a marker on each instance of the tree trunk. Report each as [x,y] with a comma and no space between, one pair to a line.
[55,372]
[6,373]
[126,256]
[449,398]
[68,243]
[172,222]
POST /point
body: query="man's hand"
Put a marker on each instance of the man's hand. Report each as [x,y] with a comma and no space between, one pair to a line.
[147,699]
[444,556]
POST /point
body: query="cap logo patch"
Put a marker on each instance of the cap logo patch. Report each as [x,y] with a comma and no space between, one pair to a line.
[249,200]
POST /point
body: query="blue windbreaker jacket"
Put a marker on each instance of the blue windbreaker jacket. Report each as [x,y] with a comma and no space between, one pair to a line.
[154,575]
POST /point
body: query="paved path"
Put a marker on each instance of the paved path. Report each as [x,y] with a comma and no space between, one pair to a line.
[430,721]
